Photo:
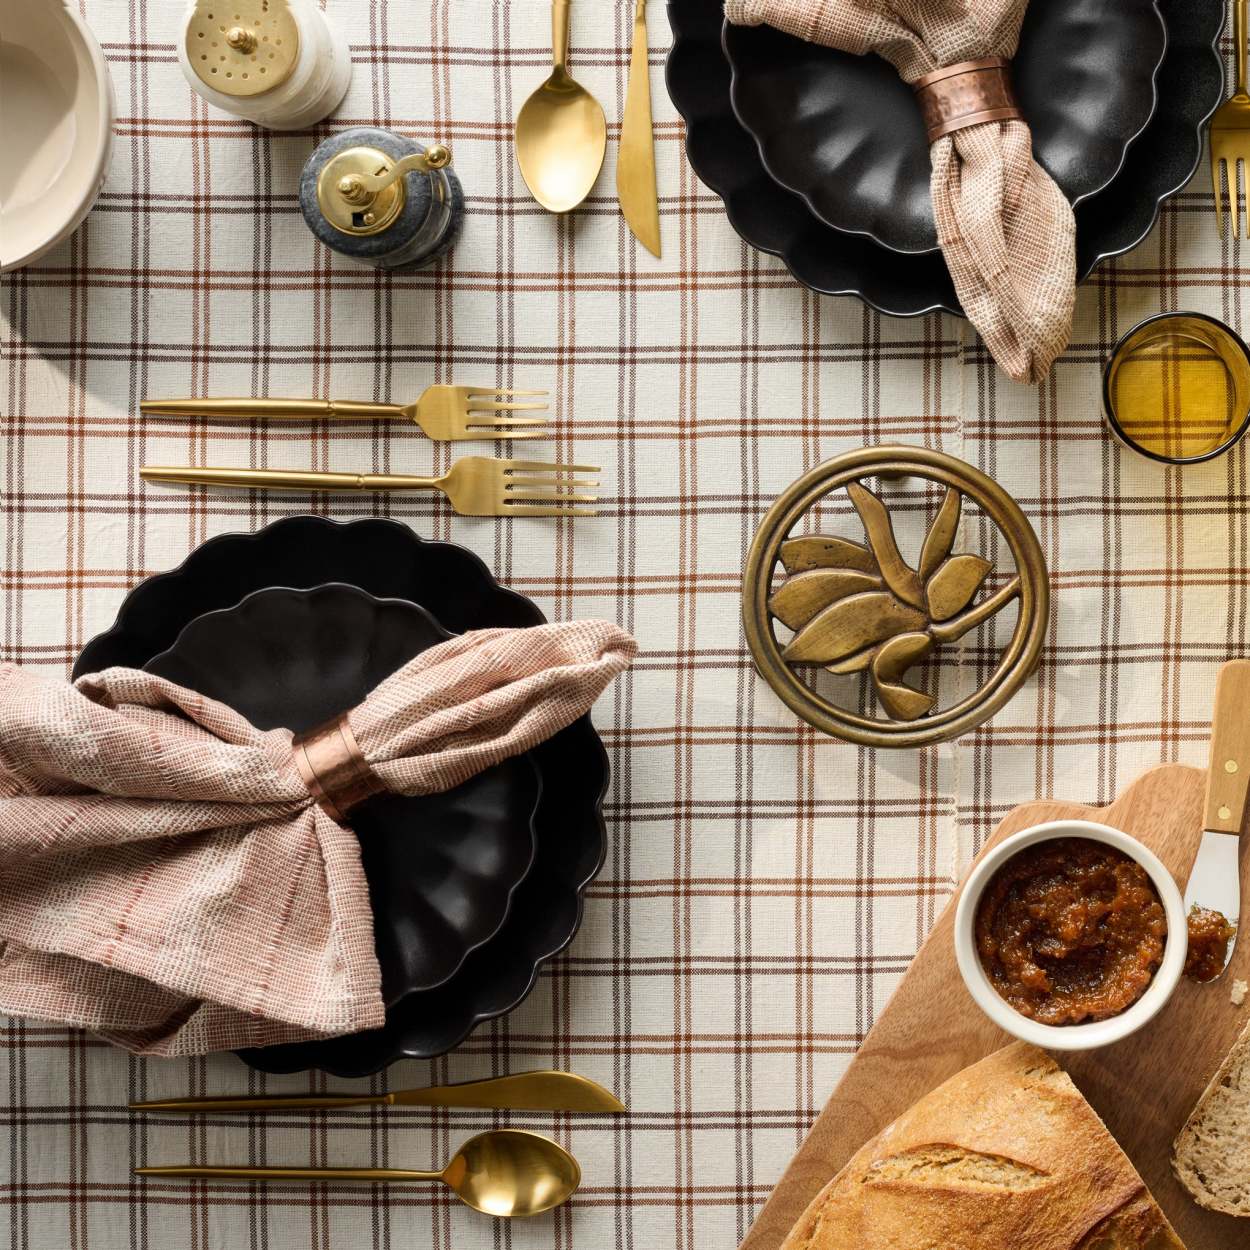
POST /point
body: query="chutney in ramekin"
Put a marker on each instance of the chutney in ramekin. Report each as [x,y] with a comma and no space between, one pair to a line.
[1070,930]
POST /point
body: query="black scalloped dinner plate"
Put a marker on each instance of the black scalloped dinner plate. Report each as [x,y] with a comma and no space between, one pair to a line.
[442,868]
[844,132]
[767,216]
[388,560]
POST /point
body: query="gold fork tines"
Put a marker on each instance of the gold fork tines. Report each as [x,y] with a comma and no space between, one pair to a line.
[474,486]
[1229,136]
[445,413]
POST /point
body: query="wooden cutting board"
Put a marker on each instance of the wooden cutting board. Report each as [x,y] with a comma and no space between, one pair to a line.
[1144,1087]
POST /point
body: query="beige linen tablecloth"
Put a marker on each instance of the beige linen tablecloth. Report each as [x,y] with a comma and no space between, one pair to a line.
[764,886]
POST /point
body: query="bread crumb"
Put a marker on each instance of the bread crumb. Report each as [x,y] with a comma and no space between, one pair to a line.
[1238,994]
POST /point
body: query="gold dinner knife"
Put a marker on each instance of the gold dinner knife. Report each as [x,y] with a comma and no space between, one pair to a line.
[522,1091]
[635,168]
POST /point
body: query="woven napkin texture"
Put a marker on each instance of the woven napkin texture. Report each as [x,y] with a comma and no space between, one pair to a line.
[1005,228]
[166,879]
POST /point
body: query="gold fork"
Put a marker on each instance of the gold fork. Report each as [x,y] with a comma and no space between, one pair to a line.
[1229,136]
[447,413]
[474,486]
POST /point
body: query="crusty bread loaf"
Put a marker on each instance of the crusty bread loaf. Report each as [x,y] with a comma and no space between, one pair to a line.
[1006,1155]
[1211,1157]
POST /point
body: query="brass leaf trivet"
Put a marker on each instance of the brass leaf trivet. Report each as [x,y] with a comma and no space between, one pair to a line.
[856,607]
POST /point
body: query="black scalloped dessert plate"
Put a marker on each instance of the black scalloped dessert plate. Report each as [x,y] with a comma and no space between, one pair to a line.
[442,868]
[844,131]
[389,561]
[767,216]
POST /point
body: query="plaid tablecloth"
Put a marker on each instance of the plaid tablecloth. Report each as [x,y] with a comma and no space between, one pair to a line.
[765,887]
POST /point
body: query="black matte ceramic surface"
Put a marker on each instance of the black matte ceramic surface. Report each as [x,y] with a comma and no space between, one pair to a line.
[844,132]
[442,868]
[390,561]
[1159,162]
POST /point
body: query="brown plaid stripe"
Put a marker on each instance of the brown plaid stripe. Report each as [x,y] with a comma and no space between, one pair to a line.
[765,887]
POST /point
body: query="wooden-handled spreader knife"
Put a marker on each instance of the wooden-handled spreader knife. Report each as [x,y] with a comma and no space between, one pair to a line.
[1215,880]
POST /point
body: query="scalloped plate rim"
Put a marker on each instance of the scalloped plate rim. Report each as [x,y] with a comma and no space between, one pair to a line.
[206,620]
[697,123]
[865,233]
[593,742]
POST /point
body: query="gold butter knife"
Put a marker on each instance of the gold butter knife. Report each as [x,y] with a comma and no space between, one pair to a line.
[522,1091]
[635,169]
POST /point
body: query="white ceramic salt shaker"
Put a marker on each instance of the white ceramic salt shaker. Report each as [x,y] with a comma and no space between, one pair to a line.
[278,63]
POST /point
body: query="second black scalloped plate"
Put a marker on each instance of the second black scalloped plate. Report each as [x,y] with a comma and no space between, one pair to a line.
[389,561]
[844,131]
[1160,161]
[442,868]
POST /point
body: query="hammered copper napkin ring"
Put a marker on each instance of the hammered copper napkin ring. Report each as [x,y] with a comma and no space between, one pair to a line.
[967,94]
[334,768]
[852,607]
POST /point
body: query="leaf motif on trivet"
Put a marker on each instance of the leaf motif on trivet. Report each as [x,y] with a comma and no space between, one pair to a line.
[850,625]
[855,608]
[817,551]
[805,594]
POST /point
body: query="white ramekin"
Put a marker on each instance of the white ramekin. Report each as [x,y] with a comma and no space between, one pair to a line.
[1072,1036]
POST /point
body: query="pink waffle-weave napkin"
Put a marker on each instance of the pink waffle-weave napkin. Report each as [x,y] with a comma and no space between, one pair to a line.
[166,879]
[1005,228]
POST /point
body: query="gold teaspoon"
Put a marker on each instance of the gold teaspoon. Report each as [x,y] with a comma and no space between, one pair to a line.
[561,133]
[506,1173]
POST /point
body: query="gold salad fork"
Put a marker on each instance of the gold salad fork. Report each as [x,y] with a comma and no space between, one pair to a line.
[447,413]
[474,486]
[1230,136]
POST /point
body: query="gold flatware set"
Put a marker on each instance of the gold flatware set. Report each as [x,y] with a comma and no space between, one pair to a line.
[1229,136]
[474,485]
[509,1173]
[521,1091]
[446,413]
[561,135]
[635,163]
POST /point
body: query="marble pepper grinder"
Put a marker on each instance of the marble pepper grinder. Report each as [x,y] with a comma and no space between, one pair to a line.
[277,63]
[382,198]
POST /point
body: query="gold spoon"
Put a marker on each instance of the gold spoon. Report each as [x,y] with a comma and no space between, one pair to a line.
[561,133]
[507,1172]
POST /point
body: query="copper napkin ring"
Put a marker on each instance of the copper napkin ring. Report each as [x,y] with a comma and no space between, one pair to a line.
[958,96]
[334,768]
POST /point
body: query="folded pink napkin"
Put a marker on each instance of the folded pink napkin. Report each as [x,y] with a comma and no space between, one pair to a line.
[1005,228]
[165,876]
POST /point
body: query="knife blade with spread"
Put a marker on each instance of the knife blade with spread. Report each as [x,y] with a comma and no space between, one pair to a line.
[1214,886]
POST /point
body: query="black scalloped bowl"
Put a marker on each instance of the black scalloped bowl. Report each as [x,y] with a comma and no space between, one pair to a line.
[844,132]
[388,560]
[442,868]
[1163,158]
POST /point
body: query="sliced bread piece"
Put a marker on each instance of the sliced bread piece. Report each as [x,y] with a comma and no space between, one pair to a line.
[1006,1155]
[1211,1157]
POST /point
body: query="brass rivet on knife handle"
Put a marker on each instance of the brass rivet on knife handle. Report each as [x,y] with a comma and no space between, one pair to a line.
[968,94]
[1228,778]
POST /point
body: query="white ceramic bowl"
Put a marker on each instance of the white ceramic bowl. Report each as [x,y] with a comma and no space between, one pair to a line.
[56,106]
[1072,1036]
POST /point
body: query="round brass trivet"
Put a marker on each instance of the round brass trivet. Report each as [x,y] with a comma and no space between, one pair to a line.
[242,47]
[859,607]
